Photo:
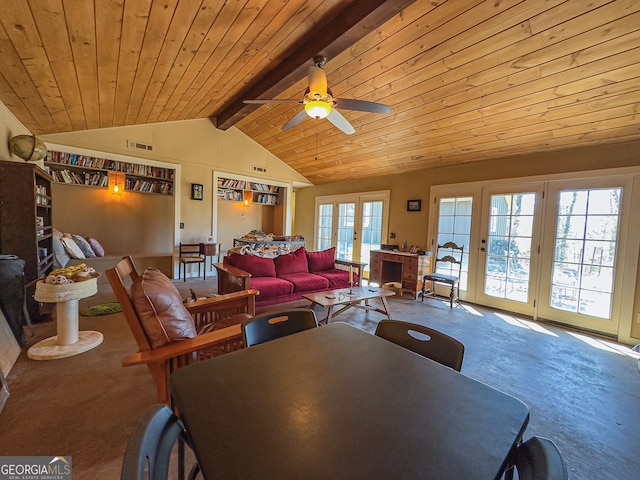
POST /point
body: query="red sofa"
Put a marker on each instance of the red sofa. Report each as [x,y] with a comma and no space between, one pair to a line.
[287,277]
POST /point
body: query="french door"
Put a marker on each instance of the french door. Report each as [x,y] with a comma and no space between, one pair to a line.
[354,224]
[551,249]
[507,256]
[583,253]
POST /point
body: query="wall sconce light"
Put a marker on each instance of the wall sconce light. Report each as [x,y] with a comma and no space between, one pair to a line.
[117,188]
[247,198]
[28,147]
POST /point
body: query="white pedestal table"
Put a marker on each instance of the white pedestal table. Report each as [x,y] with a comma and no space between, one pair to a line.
[69,340]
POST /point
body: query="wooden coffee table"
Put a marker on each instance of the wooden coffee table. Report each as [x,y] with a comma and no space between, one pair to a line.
[347,300]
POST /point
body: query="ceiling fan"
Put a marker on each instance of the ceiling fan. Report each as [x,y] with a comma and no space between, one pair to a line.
[319,102]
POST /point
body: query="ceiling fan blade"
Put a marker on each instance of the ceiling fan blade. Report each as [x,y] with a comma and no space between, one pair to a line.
[339,121]
[317,81]
[362,105]
[297,119]
[274,100]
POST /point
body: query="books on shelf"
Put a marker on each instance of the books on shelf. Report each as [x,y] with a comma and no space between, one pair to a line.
[232,189]
[153,179]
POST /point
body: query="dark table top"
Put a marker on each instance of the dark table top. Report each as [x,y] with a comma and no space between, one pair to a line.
[336,402]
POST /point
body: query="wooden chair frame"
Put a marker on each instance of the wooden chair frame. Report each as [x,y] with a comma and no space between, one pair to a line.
[452,281]
[164,360]
[190,254]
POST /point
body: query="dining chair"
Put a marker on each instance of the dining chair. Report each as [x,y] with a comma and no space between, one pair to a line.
[447,269]
[190,254]
[270,326]
[149,449]
[424,341]
[539,459]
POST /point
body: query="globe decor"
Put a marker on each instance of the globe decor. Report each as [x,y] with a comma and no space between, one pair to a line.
[28,147]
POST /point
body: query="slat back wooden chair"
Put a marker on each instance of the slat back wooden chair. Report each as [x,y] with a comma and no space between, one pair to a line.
[219,316]
[449,256]
[191,254]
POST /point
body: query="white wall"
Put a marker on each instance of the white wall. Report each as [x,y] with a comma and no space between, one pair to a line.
[9,128]
[200,149]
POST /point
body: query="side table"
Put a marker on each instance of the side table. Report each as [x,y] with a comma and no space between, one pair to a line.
[210,250]
[69,341]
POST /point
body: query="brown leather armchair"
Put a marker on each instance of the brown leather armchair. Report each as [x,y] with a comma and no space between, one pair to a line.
[219,316]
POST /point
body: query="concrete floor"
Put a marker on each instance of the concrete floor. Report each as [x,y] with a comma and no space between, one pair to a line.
[583,391]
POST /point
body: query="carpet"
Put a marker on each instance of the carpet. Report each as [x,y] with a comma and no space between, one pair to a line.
[102,309]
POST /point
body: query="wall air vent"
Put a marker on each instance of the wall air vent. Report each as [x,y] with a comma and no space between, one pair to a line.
[259,169]
[139,145]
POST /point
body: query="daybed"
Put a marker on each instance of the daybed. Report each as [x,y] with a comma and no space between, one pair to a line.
[72,249]
[287,277]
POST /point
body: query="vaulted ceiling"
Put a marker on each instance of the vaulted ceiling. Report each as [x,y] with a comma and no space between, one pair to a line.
[466,80]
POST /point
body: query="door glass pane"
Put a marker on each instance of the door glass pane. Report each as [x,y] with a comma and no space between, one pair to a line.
[371,230]
[454,225]
[325,222]
[508,265]
[346,222]
[585,251]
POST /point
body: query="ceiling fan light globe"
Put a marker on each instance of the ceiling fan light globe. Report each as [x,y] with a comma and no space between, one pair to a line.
[317,109]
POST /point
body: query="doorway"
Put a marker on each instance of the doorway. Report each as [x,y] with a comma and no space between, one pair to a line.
[553,249]
[355,224]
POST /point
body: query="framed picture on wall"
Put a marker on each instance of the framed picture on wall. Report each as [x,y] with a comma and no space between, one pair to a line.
[196,191]
[414,205]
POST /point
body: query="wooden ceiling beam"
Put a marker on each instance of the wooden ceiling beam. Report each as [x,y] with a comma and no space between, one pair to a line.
[332,36]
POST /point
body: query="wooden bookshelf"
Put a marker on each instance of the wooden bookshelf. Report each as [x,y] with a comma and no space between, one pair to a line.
[89,171]
[230,189]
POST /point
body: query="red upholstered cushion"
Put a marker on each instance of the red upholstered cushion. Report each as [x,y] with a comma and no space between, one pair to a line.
[338,278]
[256,266]
[322,260]
[306,282]
[295,262]
[160,309]
[271,286]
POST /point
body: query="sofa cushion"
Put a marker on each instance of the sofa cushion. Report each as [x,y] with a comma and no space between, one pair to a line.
[60,255]
[295,262]
[338,278]
[271,286]
[322,260]
[83,245]
[96,246]
[160,309]
[71,246]
[306,282]
[256,266]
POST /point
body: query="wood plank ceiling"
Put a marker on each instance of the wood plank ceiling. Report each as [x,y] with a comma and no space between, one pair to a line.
[467,80]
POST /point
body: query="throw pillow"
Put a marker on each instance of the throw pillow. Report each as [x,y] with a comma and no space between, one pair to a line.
[321,261]
[60,255]
[71,246]
[84,246]
[256,266]
[160,309]
[291,263]
[96,247]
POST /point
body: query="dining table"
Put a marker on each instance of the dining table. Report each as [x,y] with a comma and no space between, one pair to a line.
[336,402]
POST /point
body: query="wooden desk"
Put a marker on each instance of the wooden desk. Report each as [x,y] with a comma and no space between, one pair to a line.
[335,402]
[402,267]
